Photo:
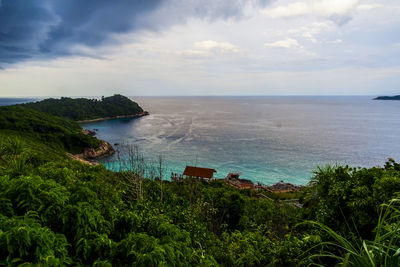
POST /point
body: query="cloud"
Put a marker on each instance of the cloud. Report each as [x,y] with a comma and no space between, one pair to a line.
[286,43]
[216,46]
[309,36]
[22,32]
[339,11]
[180,10]
[294,9]
[311,30]
[209,49]
[181,49]
[48,29]
[317,7]
[368,6]
[292,46]
[337,41]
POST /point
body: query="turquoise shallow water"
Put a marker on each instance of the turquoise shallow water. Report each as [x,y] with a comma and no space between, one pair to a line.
[268,139]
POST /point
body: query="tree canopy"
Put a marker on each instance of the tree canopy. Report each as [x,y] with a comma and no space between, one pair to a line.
[87,109]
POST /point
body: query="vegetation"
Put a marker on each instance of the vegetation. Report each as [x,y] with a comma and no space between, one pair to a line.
[56,211]
[354,195]
[43,132]
[396,97]
[383,250]
[87,109]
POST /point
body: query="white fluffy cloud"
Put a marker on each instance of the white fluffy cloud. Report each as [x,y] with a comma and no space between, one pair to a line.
[286,43]
[216,46]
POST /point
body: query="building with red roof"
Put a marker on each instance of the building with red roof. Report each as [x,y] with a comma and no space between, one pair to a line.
[198,172]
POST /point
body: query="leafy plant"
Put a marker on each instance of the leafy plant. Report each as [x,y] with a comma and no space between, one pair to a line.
[383,250]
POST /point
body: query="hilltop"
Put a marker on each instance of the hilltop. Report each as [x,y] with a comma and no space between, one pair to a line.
[83,109]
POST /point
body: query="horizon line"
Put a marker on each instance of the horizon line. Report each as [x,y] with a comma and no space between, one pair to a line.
[271,95]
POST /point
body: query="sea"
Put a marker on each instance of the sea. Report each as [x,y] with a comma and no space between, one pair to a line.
[265,138]
[14,101]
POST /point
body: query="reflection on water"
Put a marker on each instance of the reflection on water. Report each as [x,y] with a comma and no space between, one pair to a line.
[266,138]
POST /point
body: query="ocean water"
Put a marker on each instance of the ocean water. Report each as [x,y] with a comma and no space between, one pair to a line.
[267,139]
[13,101]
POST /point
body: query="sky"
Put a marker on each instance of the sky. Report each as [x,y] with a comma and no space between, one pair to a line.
[199,47]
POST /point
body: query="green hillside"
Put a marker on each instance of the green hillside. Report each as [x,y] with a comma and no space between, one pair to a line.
[45,130]
[87,109]
[55,211]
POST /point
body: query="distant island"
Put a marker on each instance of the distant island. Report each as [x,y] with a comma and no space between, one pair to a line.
[86,110]
[396,97]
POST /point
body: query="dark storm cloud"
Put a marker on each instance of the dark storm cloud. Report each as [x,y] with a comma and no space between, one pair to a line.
[52,28]
[23,25]
[30,28]
[178,11]
[90,22]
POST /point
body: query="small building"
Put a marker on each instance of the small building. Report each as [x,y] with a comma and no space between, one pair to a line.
[200,173]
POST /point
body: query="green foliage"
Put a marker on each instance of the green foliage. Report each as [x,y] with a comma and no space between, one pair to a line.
[55,211]
[383,250]
[24,240]
[87,109]
[348,199]
[40,130]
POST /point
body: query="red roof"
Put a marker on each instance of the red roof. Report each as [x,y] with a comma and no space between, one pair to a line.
[199,172]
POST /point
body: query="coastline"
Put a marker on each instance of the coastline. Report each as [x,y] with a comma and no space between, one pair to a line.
[90,155]
[142,114]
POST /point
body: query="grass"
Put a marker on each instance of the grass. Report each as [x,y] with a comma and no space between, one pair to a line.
[384,250]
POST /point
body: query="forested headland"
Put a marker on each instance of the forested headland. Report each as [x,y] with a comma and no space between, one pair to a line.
[396,97]
[57,211]
[80,109]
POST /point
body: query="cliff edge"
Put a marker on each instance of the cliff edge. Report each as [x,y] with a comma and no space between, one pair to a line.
[90,155]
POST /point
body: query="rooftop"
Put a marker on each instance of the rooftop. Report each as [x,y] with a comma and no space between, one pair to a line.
[199,172]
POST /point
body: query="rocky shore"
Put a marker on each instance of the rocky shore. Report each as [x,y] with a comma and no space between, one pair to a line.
[144,113]
[88,132]
[104,150]
[90,155]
